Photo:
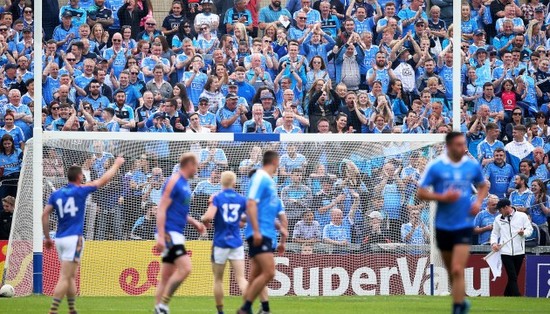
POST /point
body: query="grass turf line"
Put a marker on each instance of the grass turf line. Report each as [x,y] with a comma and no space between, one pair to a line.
[282,305]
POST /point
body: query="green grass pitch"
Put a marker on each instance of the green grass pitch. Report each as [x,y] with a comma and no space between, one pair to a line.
[281,305]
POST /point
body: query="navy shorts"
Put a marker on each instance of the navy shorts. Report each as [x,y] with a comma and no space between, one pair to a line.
[265,247]
[446,240]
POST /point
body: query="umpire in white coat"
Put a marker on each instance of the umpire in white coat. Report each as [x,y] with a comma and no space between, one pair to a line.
[510,229]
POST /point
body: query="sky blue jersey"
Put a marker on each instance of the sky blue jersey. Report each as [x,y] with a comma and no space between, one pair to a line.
[176,214]
[443,174]
[263,190]
[69,204]
[231,205]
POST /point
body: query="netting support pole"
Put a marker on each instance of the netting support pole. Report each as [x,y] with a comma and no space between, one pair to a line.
[37,156]
[457,65]
[432,288]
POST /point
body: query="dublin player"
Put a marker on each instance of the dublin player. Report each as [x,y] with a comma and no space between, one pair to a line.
[451,175]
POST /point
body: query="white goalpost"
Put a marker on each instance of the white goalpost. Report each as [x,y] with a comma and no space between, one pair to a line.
[119,258]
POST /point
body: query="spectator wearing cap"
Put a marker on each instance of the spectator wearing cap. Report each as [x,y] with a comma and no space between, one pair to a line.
[404,63]
[207,119]
[65,32]
[6,216]
[25,45]
[232,87]
[161,124]
[479,41]
[481,63]
[411,14]
[529,8]
[257,124]
[540,16]
[94,97]
[510,227]
[270,111]
[207,17]
[231,116]
[271,14]
[307,230]
[238,14]
[374,233]
[78,14]
[124,114]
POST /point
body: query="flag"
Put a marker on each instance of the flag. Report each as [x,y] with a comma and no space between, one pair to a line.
[495,263]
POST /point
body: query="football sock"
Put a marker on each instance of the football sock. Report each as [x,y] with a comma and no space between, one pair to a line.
[265,306]
[457,308]
[71,302]
[220,309]
[165,300]
[55,306]
[247,306]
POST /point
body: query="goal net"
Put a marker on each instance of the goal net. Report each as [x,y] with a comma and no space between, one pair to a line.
[356,226]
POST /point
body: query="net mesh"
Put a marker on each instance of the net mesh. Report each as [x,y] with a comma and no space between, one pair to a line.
[375,250]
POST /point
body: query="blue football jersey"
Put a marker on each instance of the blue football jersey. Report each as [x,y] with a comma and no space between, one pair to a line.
[263,190]
[443,174]
[176,214]
[69,204]
[231,205]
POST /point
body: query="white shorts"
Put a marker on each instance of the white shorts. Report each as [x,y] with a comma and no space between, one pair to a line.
[220,255]
[69,248]
[175,237]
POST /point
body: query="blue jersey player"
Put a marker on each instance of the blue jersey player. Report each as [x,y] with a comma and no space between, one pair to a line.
[451,176]
[262,207]
[69,205]
[226,209]
[172,217]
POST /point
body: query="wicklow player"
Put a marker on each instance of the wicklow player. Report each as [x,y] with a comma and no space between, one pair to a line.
[451,176]
[172,216]
[69,204]
[226,209]
[262,207]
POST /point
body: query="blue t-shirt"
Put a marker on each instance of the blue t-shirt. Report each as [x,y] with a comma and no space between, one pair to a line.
[263,190]
[483,219]
[197,85]
[176,214]
[231,205]
[443,174]
[69,204]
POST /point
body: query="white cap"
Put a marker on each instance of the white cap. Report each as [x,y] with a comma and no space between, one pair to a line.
[376,214]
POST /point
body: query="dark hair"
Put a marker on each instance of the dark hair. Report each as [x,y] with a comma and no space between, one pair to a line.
[7,137]
[185,103]
[449,138]
[270,157]
[530,164]
[73,173]
[542,186]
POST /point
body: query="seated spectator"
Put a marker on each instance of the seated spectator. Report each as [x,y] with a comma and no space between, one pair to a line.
[12,129]
[209,186]
[534,239]
[6,215]
[231,116]
[499,173]
[521,196]
[338,231]
[257,124]
[374,232]
[195,124]
[483,223]
[539,209]
[210,158]
[307,230]
[415,231]
[144,227]
[287,125]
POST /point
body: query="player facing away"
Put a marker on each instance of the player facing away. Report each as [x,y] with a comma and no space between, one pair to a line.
[172,217]
[262,207]
[452,175]
[69,203]
[226,209]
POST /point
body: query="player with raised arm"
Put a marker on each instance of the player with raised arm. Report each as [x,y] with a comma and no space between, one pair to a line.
[262,207]
[172,217]
[69,204]
[451,175]
[226,209]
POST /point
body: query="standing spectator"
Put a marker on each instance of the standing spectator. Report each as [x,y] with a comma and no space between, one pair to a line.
[483,223]
[374,232]
[211,158]
[194,79]
[11,159]
[391,187]
[238,14]
[519,148]
[78,14]
[271,14]
[231,117]
[296,196]
[307,230]
[207,17]
[487,147]
[539,209]
[499,174]
[347,62]
[131,14]
[415,232]
[6,215]
[521,196]
[512,226]
[65,32]
[144,226]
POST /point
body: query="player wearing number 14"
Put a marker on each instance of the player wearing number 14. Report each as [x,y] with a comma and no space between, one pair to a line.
[69,206]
